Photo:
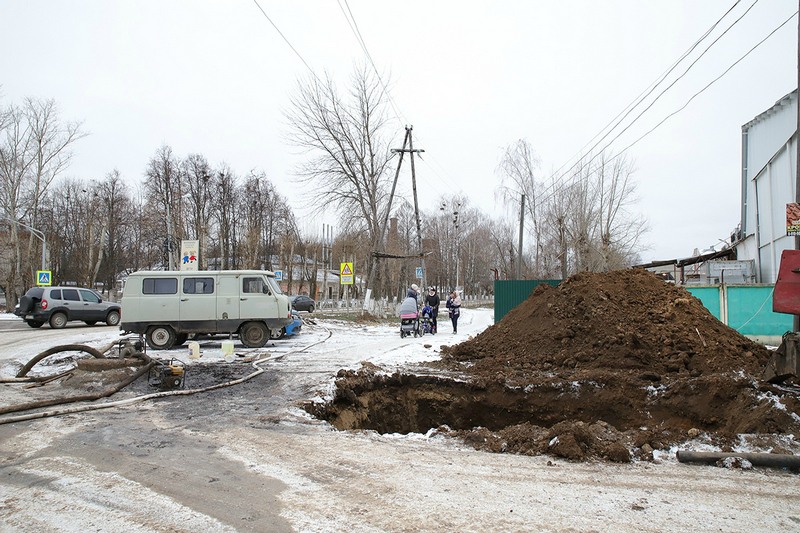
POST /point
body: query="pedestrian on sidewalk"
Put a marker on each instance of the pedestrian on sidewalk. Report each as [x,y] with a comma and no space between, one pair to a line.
[454,308]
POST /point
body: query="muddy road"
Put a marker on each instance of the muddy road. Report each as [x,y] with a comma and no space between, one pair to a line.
[250,458]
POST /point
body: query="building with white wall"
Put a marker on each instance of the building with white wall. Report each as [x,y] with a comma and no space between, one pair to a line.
[769,163]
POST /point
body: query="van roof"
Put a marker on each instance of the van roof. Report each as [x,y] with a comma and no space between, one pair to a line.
[200,272]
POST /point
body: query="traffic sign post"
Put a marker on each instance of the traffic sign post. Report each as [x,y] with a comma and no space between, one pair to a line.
[419,273]
[346,274]
[44,278]
[279,275]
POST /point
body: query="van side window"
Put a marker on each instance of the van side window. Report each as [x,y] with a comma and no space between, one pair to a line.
[254,285]
[55,294]
[160,286]
[71,295]
[198,285]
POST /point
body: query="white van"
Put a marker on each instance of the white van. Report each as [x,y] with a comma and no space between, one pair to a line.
[166,306]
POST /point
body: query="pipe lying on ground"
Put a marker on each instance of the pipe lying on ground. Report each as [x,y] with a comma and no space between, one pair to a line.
[774,460]
[58,349]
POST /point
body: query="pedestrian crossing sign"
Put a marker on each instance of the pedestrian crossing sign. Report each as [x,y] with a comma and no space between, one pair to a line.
[346,274]
[44,278]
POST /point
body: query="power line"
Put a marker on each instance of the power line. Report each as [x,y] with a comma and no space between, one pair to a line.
[286,40]
[712,82]
[649,90]
[357,33]
[557,186]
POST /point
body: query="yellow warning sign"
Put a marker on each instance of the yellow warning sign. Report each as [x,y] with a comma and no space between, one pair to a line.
[346,274]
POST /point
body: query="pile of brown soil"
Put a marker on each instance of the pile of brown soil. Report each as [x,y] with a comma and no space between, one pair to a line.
[625,321]
[641,355]
[605,366]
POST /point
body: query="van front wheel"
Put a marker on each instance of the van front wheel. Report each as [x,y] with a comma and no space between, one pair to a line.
[160,337]
[254,334]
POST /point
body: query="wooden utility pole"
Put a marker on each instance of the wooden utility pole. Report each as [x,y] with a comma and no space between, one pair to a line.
[385,221]
[416,205]
[412,151]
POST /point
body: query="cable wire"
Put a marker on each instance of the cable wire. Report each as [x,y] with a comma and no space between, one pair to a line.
[635,119]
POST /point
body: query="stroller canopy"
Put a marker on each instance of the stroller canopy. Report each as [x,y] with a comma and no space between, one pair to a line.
[408,307]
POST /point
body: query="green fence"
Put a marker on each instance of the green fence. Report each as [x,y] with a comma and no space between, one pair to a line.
[510,293]
[747,309]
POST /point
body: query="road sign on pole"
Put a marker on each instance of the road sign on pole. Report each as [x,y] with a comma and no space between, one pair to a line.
[44,278]
[419,272]
[346,274]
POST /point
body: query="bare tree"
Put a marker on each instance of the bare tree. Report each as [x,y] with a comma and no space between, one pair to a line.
[517,170]
[346,140]
[163,188]
[34,148]
[197,177]
[620,231]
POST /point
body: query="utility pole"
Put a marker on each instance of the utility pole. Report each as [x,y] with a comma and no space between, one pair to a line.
[412,151]
[385,220]
[416,206]
[521,226]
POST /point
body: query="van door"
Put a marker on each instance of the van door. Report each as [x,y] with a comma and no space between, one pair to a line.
[227,301]
[256,299]
[198,302]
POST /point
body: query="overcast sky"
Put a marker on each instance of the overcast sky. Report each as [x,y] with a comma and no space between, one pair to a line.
[214,77]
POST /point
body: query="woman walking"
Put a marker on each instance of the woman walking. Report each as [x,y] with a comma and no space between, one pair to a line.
[454,308]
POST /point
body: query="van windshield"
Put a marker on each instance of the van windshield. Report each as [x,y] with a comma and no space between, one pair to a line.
[276,288]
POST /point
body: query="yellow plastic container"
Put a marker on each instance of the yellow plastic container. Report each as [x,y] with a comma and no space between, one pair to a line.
[227,350]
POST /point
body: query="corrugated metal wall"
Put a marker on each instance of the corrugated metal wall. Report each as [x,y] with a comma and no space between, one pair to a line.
[510,293]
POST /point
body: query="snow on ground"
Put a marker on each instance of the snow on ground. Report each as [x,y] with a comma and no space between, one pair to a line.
[330,480]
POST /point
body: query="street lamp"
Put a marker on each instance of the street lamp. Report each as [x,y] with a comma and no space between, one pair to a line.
[37,233]
[456,207]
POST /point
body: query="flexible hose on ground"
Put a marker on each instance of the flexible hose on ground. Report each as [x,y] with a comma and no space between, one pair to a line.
[58,349]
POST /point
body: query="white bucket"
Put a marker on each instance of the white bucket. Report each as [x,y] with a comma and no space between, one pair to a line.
[194,350]
[227,350]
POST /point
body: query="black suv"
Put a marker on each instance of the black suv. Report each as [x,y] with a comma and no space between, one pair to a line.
[59,305]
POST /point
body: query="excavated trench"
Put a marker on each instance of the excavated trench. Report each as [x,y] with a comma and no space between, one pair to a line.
[403,403]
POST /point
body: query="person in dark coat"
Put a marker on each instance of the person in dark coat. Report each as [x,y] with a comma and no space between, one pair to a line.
[432,300]
[454,307]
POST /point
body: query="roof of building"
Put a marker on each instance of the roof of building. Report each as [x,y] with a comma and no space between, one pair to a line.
[783,102]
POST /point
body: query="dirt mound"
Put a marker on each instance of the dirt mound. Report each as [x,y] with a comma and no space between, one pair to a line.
[602,366]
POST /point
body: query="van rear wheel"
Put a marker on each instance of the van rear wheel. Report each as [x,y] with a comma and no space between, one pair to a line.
[254,334]
[160,337]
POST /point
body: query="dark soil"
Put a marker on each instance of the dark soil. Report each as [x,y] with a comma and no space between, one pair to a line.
[606,366]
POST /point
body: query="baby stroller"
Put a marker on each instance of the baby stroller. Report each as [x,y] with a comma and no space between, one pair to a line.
[426,323]
[409,318]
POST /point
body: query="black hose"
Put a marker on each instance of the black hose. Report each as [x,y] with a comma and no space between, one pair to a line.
[58,349]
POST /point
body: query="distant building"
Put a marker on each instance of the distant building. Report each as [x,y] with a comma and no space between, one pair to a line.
[769,168]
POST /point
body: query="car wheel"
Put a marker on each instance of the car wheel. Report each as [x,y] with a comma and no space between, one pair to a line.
[310,308]
[277,333]
[254,334]
[34,323]
[160,337]
[112,318]
[58,320]
[90,322]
